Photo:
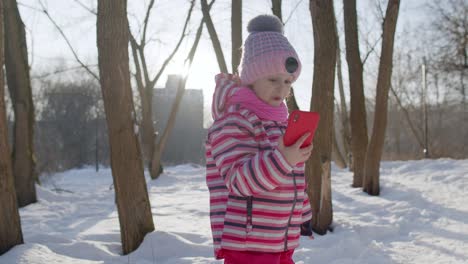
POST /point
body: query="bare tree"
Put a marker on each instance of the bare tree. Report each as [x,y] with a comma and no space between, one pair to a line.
[10,224]
[161,144]
[291,101]
[69,117]
[277,8]
[146,84]
[371,183]
[127,168]
[318,167]
[406,79]
[214,36]
[278,12]
[69,44]
[236,33]
[337,157]
[19,85]
[342,110]
[359,137]
[450,40]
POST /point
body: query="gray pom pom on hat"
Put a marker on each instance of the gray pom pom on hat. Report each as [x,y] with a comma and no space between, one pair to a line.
[264,23]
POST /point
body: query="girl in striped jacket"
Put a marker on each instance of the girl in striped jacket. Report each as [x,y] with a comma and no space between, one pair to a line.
[258,199]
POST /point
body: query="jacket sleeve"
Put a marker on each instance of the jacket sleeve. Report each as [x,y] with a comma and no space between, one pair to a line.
[245,167]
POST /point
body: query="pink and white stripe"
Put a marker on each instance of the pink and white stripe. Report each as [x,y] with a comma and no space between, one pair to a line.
[242,163]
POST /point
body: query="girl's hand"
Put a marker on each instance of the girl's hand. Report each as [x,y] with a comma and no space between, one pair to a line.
[294,154]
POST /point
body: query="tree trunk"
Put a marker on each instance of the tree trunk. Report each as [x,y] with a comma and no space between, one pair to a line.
[337,157]
[156,167]
[318,167]
[374,151]
[291,102]
[127,168]
[146,85]
[236,33]
[214,37]
[19,85]
[10,224]
[276,9]
[345,131]
[359,136]
[147,129]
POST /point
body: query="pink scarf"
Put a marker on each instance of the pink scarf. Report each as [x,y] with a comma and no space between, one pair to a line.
[247,98]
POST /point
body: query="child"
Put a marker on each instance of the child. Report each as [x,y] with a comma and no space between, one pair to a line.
[257,185]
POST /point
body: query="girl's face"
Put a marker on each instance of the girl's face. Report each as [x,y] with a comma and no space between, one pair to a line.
[273,89]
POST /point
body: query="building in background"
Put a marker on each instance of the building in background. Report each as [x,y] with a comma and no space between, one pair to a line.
[186,141]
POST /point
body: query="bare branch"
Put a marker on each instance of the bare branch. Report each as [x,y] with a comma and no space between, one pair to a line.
[214,37]
[182,36]
[39,77]
[138,49]
[198,36]
[407,117]
[145,22]
[160,145]
[141,52]
[372,49]
[30,7]
[138,78]
[44,10]
[292,12]
[92,11]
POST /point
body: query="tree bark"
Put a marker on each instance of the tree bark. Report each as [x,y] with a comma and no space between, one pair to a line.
[276,9]
[374,152]
[214,37]
[147,133]
[359,136]
[337,157]
[10,224]
[291,101]
[236,33]
[318,167]
[127,168]
[343,110]
[19,85]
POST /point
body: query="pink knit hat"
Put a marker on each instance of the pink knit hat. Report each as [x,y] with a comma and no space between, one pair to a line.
[267,51]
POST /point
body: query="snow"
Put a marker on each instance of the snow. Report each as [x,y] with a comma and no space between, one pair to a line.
[421,216]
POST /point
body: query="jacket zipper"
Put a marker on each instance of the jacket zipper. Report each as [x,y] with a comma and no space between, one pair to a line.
[290,215]
[293,207]
[249,214]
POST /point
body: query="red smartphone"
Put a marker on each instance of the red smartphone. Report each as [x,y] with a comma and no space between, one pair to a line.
[299,123]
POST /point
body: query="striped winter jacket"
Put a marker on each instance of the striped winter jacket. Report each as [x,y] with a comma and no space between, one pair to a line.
[257,200]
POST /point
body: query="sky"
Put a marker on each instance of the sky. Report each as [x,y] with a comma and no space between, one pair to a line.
[420,217]
[48,50]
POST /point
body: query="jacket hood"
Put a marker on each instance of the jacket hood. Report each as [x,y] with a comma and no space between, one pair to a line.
[226,86]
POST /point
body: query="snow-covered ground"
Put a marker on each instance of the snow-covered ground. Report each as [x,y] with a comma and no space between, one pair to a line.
[421,216]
